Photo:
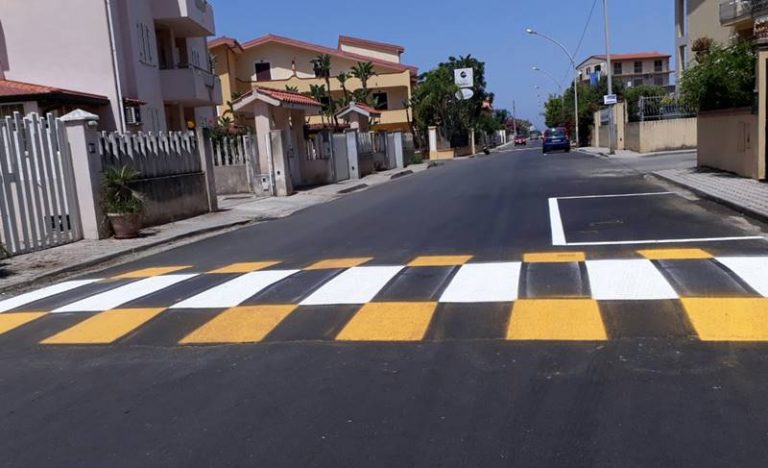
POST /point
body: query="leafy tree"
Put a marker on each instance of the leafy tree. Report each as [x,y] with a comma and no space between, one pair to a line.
[435,104]
[632,97]
[723,77]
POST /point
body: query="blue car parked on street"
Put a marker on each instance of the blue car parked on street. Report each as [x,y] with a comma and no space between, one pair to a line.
[556,139]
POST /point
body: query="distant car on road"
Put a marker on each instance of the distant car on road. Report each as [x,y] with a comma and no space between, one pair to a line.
[556,139]
[521,141]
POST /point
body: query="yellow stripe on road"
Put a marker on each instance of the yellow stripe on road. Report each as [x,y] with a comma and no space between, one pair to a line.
[12,321]
[554,257]
[389,322]
[248,267]
[339,263]
[675,254]
[729,319]
[150,272]
[440,260]
[240,325]
[556,320]
[104,328]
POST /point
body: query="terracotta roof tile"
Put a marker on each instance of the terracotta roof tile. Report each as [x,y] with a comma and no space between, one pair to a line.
[371,44]
[283,96]
[10,88]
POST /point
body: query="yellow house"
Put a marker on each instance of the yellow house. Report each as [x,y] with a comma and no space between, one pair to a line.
[282,63]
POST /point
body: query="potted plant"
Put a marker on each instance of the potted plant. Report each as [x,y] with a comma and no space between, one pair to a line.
[123,204]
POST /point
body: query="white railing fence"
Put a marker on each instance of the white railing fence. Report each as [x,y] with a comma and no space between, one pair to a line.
[151,154]
[233,150]
[38,201]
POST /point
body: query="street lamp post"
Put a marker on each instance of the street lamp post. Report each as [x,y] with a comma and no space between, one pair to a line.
[576,72]
[611,123]
[559,87]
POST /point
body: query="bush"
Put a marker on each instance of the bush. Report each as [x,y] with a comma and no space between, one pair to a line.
[723,77]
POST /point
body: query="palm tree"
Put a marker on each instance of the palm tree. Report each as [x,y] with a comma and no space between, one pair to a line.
[292,89]
[363,71]
[343,77]
[318,93]
[322,66]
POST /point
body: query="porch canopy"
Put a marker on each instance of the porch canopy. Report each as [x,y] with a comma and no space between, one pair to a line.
[358,115]
[276,98]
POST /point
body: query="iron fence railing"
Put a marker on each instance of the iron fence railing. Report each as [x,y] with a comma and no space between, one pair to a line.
[660,108]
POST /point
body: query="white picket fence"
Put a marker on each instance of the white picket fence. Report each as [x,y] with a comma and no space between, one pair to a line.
[151,154]
[233,150]
[38,201]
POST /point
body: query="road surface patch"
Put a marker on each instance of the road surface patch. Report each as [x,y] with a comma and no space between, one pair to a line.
[487,321]
[753,270]
[248,324]
[335,263]
[313,323]
[627,280]
[246,267]
[395,321]
[115,298]
[150,272]
[104,328]
[236,291]
[440,260]
[357,285]
[675,254]
[556,320]
[484,282]
[645,319]
[703,278]
[554,280]
[414,284]
[294,289]
[554,257]
[12,321]
[730,319]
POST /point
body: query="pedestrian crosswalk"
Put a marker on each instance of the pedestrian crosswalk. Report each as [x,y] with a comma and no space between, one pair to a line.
[543,296]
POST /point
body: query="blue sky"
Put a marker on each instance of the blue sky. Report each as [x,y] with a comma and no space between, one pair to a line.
[492,30]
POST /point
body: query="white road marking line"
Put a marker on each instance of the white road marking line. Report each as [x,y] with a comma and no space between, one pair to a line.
[667,241]
[753,270]
[558,233]
[28,298]
[484,282]
[357,285]
[235,292]
[646,194]
[628,280]
[116,297]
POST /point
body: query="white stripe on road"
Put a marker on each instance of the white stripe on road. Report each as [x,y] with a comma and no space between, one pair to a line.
[753,270]
[18,301]
[235,292]
[116,297]
[484,282]
[357,285]
[666,241]
[558,233]
[628,280]
[622,195]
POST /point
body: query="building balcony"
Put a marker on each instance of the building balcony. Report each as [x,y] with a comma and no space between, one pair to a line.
[734,12]
[190,86]
[187,18]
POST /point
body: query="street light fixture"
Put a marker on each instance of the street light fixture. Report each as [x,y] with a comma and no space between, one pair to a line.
[576,72]
[559,87]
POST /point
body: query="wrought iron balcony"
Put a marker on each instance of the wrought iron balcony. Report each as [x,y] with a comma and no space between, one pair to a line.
[736,11]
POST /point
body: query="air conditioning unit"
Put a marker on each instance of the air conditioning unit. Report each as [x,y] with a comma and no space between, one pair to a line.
[133,115]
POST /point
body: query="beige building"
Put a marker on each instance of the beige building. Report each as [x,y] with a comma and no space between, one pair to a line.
[137,64]
[719,20]
[282,63]
[643,68]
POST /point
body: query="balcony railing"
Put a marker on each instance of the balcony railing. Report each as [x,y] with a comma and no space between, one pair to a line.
[734,11]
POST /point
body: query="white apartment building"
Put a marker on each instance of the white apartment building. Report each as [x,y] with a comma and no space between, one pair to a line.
[141,65]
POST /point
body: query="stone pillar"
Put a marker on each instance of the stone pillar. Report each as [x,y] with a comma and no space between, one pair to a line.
[83,140]
[432,141]
[205,153]
[472,146]
[283,184]
[398,148]
[352,156]
[762,112]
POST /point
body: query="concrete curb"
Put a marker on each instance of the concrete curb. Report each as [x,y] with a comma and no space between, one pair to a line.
[398,175]
[72,269]
[734,206]
[354,188]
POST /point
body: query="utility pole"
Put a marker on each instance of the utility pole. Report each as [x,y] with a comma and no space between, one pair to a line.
[514,120]
[611,123]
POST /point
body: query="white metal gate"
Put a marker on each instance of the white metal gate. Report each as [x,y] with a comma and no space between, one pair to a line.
[38,201]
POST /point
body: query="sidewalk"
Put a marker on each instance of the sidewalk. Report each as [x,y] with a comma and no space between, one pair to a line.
[628,154]
[744,195]
[235,211]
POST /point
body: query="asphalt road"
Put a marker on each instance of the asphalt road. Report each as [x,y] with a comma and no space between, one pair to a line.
[633,365]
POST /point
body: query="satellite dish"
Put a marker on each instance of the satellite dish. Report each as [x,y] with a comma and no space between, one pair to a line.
[464,93]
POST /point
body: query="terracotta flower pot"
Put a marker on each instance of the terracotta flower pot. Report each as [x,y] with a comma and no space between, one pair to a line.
[125,225]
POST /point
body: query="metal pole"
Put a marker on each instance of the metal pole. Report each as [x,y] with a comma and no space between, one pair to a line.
[611,117]
[576,103]
[514,119]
